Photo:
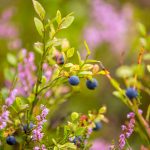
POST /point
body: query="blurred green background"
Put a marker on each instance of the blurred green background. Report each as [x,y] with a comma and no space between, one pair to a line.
[86,100]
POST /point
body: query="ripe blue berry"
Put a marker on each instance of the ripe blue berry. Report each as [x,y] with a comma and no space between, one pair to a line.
[28,127]
[11,140]
[91,84]
[98,126]
[131,93]
[60,60]
[74,80]
[77,140]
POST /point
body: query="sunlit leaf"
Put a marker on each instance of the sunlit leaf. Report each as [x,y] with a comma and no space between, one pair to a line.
[70,52]
[58,17]
[66,22]
[87,48]
[85,73]
[124,72]
[38,46]
[148,68]
[148,113]
[11,59]
[68,65]
[39,9]
[39,26]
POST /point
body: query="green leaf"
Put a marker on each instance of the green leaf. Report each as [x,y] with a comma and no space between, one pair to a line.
[70,146]
[146,56]
[148,113]
[68,65]
[58,17]
[11,59]
[74,116]
[31,98]
[92,61]
[70,52]
[79,58]
[85,73]
[148,68]
[38,46]
[18,101]
[52,30]
[117,94]
[115,84]
[124,72]
[66,22]
[87,48]
[138,70]
[102,110]
[9,74]
[141,29]
[39,9]
[55,42]
[39,26]
[79,131]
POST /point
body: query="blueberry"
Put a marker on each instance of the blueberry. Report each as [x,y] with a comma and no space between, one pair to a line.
[28,127]
[91,84]
[77,140]
[98,126]
[11,140]
[74,80]
[131,93]
[60,60]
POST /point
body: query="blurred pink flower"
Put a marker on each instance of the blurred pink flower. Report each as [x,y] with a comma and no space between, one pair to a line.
[100,145]
[108,25]
[37,133]
[8,30]
[26,73]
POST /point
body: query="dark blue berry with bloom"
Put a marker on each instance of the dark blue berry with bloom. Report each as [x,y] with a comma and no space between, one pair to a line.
[60,60]
[98,126]
[74,80]
[91,84]
[131,93]
[11,140]
[77,140]
[28,127]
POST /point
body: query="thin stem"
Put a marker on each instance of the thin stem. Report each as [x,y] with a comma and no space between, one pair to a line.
[40,70]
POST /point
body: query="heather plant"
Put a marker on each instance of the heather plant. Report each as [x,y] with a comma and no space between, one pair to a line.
[100,29]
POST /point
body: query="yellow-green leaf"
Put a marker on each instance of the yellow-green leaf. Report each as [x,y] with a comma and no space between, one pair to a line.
[39,9]
[11,59]
[70,52]
[39,26]
[66,22]
[87,48]
[58,17]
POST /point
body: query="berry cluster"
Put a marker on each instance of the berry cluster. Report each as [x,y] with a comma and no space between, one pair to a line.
[90,84]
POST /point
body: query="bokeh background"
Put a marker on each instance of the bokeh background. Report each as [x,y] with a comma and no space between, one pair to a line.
[110,29]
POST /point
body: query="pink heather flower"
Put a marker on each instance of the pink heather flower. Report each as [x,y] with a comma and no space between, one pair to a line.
[47,71]
[26,73]
[99,145]
[108,25]
[127,130]
[43,147]
[4,117]
[12,97]
[36,148]
[8,30]
[37,133]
